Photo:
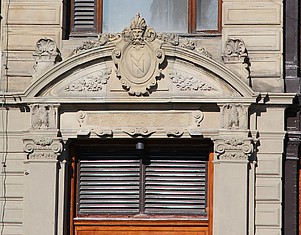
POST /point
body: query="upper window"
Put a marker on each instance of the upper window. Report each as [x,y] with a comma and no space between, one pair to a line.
[177,16]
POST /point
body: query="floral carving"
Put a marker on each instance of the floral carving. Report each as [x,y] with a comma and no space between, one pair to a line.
[172,38]
[204,52]
[233,148]
[43,148]
[92,83]
[188,44]
[233,116]
[189,83]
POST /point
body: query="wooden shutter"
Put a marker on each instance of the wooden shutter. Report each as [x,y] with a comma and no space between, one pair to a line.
[175,185]
[84,15]
[109,186]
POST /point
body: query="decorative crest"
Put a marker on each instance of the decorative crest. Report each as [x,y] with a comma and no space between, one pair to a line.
[138,57]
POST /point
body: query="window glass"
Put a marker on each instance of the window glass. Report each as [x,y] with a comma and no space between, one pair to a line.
[163,15]
[207,14]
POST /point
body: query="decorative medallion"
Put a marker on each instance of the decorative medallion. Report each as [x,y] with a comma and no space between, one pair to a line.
[138,57]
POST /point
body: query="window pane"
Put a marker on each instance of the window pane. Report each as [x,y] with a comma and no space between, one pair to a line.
[163,15]
[207,14]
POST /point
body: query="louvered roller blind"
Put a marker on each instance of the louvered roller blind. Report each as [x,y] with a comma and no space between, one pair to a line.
[84,15]
[108,186]
[175,186]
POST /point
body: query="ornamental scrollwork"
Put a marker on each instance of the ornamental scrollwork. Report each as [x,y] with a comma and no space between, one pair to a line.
[43,148]
[233,148]
[139,131]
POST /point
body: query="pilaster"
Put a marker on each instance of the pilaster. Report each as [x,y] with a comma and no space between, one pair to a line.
[231,176]
[43,148]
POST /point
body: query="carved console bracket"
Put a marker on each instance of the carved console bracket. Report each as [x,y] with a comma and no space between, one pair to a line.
[236,56]
[46,56]
[43,116]
[233,148]
[43,148]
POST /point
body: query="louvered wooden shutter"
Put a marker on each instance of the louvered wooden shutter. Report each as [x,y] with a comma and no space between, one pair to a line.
[175,185]
[108,186]
[84,15]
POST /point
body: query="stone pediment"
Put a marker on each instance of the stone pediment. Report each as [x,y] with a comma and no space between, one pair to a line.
[138,64]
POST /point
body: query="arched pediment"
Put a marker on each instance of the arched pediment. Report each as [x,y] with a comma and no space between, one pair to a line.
[138,65]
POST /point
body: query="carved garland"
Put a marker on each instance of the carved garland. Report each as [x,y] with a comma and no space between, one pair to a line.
[189,83]
[91,83]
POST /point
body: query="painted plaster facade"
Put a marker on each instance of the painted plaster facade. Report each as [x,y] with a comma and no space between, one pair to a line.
[224,88]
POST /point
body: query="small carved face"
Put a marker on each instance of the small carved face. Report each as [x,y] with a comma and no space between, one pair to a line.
[137,34]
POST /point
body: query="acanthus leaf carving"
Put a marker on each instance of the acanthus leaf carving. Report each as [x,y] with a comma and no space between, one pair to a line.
[46,56]
[188,82]
[102,40]
[91,83]
[235,49]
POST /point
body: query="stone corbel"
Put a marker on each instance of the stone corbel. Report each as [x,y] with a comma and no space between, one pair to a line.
[235,56]
[43,116]
[234,116]
[46,56]
[233,148]
[43,148]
